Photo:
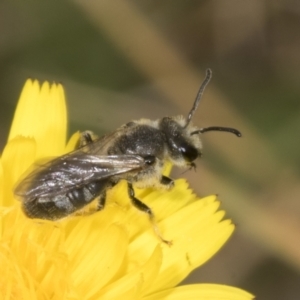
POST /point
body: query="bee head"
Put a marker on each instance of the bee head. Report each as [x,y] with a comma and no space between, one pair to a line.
[183,148]
[182,138]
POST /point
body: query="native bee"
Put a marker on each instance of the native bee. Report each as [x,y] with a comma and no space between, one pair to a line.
[136,152]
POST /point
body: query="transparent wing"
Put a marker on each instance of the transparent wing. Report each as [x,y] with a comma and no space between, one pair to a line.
[101,145]
[73,170]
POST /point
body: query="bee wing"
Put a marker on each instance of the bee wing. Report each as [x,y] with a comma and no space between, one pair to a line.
[65,173]
[100,145]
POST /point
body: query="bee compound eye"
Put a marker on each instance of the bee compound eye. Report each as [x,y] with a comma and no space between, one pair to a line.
[149,160]
[189,153]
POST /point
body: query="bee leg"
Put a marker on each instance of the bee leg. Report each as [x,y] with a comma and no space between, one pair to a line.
[138,203]
[86,137]
[101,201]
[167,182]
[144,208]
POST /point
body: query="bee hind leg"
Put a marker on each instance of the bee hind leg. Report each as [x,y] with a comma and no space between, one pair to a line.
[144,208]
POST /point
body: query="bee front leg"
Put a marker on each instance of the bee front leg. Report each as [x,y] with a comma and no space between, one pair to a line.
[167,182]
[144,208]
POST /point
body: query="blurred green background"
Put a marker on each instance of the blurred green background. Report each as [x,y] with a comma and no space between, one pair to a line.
[121,60]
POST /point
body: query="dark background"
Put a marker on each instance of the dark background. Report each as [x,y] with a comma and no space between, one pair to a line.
[121,60]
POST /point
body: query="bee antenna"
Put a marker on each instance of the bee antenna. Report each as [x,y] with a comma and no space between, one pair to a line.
[199,96]
[217,128]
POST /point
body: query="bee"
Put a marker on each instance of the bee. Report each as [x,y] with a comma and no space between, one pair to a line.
[135,152]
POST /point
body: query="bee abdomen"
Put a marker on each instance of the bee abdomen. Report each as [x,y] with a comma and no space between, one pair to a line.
[61,205]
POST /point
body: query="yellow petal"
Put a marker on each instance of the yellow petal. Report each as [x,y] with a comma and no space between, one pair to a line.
[203,292]
[41,114]
[73,142]
[53,135]
[96,261]
[151,268]
[17,156]
[197,234]
[27,109]
[132,283]
[127,288]
[1,183]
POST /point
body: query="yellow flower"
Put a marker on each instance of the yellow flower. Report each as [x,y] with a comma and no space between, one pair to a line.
[112,254]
